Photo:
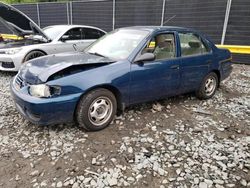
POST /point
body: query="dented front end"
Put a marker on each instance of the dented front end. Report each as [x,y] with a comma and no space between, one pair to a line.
[50,82]
[53,67]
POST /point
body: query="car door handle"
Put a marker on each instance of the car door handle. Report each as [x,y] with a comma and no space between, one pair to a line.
[175,67]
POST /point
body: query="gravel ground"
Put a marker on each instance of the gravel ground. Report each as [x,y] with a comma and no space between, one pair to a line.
[177,142]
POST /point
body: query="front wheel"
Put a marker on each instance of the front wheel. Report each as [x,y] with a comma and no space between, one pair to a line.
[33,55]
[96,109]
[208,86]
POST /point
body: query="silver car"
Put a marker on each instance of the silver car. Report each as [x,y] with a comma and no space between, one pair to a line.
[38,42]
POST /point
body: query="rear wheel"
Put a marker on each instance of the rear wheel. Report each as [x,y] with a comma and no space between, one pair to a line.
[208,86]
[96,109]
[33,55]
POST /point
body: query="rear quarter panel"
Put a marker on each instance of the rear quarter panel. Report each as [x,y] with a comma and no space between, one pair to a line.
[224,59]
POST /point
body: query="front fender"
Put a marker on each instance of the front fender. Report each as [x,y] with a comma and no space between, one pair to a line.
[115,75]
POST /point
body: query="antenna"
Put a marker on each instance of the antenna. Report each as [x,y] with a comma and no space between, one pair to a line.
[169,19]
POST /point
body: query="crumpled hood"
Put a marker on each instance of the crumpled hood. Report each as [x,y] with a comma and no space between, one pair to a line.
[40,69]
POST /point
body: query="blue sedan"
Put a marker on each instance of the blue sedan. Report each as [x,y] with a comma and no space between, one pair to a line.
[124,67]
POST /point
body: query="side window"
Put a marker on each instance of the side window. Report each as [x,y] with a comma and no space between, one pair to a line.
[162,45]
[92,33]
[73,34]
[191,45]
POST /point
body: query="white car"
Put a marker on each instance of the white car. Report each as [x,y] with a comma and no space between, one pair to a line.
[38,42]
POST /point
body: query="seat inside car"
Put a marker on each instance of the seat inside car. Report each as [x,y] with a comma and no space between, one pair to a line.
[193,47]
[164,46]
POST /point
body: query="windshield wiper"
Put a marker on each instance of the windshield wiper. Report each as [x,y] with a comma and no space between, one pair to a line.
[96,53]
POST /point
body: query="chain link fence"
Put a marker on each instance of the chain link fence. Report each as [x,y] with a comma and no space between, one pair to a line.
[223,21]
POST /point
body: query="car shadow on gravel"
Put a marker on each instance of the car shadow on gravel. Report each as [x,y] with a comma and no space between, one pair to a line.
[54,127]
[12,74]
[164,102]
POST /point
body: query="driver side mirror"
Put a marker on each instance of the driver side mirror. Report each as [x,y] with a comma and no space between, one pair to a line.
[145,57]
[64,38]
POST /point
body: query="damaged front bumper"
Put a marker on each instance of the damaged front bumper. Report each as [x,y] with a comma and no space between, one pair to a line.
[44,111]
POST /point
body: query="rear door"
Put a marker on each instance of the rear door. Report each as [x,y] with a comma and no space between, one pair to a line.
[196,57]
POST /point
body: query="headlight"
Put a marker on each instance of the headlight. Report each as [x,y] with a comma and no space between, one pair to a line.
[12,51]
[43,90]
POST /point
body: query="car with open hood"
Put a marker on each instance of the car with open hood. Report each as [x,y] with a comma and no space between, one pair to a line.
[36,42]
[126,66]
[1,38]
[9,37]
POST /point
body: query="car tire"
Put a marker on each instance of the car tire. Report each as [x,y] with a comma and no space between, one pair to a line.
[96,110]
[208,86]
[33,54]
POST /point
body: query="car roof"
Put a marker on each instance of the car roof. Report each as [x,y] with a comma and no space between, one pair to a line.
[66,27]
[158,28]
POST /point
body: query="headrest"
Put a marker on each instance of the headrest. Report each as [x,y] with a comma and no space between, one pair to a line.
[169,40]
[194,44]
[165,44]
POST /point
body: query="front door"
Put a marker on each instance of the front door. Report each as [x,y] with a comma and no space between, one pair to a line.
[68,40]
[158,78]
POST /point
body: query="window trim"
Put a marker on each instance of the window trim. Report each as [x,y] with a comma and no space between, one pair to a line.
[154,35]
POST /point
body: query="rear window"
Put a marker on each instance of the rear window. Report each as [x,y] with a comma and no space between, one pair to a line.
[192,44]
[90,33]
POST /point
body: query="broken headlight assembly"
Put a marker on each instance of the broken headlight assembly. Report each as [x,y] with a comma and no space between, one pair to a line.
[44,91]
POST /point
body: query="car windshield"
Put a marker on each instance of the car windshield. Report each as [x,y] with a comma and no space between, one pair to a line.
[52,32]
[117,44]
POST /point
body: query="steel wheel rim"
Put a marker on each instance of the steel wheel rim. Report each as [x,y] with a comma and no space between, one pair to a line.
[210,86]
[100,111]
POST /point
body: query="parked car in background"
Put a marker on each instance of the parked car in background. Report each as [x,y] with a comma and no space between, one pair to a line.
[38,42]
[127,66]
